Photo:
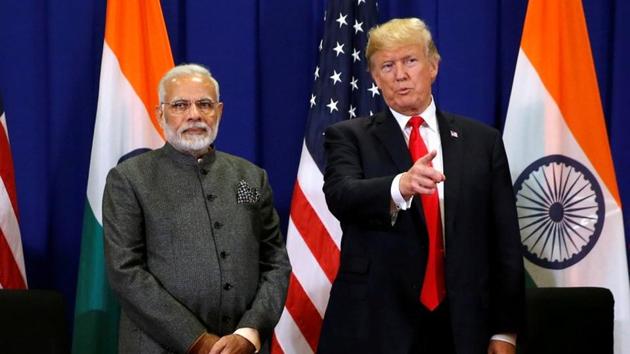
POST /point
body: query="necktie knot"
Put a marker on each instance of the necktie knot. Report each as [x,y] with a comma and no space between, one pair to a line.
[417,148]
[415,122]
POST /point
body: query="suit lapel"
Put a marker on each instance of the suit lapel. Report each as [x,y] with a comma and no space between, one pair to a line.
[452,140]
[391,137]
[388,132]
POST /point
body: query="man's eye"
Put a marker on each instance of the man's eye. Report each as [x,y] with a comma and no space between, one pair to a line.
[387,67]
[180,105]
[206,105]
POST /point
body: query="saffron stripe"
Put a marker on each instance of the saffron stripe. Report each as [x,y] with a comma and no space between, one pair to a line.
[560,52]
[136,33]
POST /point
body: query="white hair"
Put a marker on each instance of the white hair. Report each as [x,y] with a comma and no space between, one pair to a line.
[186,70]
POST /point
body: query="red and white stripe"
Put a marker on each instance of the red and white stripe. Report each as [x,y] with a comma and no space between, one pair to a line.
[12,271]
[313,242]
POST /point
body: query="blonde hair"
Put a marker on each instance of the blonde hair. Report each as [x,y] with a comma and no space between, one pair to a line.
[400,32]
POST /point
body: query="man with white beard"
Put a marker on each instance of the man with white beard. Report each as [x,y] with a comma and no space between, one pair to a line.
[193,246]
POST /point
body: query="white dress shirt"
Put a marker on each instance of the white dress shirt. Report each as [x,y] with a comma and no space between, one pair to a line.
[430,133]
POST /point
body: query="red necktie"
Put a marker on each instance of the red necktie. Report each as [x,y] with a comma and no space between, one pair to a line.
[433,289]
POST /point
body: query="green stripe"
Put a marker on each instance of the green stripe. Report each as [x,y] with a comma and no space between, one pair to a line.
[97,311]
[529,282]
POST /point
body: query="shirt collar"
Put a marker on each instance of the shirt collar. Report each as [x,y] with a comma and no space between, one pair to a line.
[428,115]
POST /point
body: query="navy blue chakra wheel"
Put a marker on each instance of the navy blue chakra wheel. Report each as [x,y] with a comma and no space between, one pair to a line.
[560,211]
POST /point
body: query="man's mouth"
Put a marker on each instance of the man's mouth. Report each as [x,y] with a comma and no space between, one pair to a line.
[195,130]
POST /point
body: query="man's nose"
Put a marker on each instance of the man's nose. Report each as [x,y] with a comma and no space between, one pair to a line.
[400,72]
[193,112]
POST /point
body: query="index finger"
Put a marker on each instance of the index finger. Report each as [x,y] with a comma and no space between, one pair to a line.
[426,159]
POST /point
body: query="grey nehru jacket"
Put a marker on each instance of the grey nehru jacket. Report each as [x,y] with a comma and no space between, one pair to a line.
[192,246]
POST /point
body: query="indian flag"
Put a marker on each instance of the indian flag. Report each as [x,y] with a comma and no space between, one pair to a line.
[555,135]
[136,53]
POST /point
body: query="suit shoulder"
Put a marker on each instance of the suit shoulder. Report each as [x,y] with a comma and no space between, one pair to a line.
[356,124]
[351,123]
[137,160]
[471,126]
[238,163]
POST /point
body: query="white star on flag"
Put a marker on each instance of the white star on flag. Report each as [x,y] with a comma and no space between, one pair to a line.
[353,83]
[339,49]
[332,105]
[342,20]
[374,90]
[336,77]
[333,98]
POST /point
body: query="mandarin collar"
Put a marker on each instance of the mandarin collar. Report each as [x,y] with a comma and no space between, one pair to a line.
[190,160]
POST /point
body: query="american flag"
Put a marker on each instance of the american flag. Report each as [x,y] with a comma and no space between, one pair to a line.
[12,272]
[342,89]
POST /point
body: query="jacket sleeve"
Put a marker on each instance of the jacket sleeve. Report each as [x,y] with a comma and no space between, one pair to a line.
[267,306]
[507,292]
[350,194]
[141,296]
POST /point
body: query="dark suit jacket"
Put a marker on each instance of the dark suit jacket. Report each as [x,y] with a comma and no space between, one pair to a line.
[192,246]
[374,302]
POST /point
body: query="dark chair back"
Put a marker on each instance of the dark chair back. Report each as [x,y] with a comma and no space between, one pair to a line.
[568,321]
[32,321]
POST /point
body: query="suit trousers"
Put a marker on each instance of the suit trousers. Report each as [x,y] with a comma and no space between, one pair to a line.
[435,331]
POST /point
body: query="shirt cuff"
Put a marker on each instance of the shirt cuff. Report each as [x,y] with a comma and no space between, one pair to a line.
[510,338]
[397,198]
[251,334]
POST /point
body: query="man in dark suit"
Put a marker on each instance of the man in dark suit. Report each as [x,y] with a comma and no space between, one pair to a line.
[192,240]
[430,254]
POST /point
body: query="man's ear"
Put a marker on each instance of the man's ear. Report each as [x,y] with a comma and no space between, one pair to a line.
[159,114]
[219,111]
[376,79]
[435,66]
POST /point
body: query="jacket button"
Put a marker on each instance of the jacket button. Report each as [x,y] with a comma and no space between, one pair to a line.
[227,286]
[223,254]
[217,225]
[211,197]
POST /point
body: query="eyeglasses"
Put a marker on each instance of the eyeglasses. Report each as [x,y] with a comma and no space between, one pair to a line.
[204,106]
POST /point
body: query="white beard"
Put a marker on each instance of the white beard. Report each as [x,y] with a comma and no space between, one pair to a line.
[194,144]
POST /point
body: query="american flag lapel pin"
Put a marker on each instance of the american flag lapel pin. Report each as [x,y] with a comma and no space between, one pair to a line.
[454,134]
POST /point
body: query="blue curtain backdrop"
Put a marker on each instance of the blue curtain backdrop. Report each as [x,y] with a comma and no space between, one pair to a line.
[263,53]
